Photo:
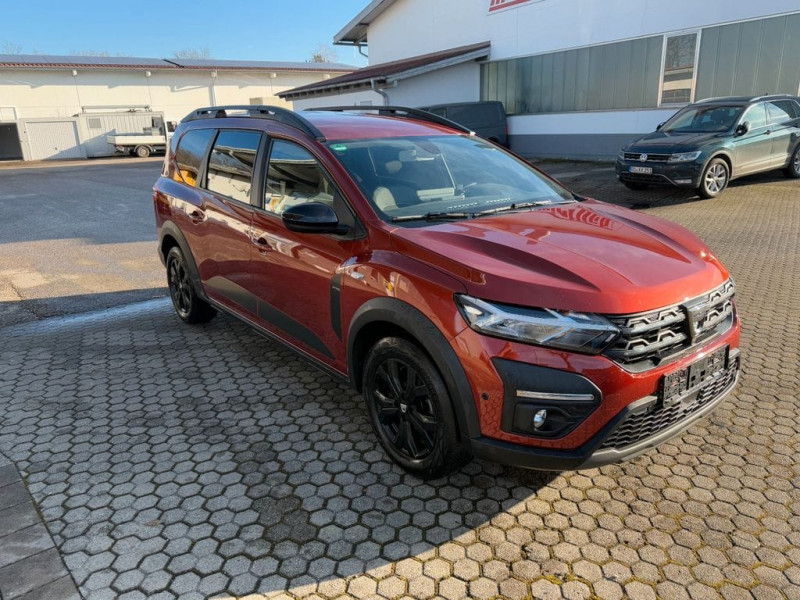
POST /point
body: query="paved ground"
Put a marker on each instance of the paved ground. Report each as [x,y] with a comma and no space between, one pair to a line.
[173,461]
[76,237]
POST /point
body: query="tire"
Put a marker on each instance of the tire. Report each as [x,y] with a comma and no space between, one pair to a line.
[793,170]
[410,411]
[635,186]
[716,177]
[189,306]
[142,151]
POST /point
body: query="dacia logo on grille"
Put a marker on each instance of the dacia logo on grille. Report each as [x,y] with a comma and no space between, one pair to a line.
[697,312]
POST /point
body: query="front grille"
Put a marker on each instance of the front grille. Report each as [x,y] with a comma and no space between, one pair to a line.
[648,338]
[637,156]
[637,427]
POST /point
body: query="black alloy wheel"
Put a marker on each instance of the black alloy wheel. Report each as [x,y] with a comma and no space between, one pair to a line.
[410,409]
[189,306]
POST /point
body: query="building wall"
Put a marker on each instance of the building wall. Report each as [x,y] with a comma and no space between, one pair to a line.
[460,83]
[413,27]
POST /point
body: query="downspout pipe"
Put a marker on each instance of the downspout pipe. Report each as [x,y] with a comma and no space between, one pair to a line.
[382,91]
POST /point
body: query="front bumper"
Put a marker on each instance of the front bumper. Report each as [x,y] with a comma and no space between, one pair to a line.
[609,445]
[686,175]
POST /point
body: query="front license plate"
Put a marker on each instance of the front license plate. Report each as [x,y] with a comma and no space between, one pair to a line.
[641,170]
[675,385]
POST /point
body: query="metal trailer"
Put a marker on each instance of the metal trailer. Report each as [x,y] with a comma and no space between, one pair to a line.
[98,123]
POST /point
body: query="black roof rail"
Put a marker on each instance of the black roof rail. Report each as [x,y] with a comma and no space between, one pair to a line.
[399,111]
[257,111]
[765,96]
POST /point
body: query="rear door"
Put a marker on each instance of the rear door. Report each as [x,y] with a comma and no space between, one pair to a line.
[754,148]
[784,120]
[217,223]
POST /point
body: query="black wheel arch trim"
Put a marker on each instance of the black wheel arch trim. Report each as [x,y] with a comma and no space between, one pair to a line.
[421,328]
[171,229]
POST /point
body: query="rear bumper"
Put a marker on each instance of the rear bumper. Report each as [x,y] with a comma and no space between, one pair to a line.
[686,175]
[594,452]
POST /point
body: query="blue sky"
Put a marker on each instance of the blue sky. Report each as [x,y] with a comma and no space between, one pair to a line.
[244,29]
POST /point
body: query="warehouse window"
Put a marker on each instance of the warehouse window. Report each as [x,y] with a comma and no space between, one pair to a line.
[680,57]
[190,153]
[230,167]
[622,75]
[94,123]
[750,58]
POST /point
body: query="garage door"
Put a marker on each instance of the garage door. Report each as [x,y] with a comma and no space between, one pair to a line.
[50,140]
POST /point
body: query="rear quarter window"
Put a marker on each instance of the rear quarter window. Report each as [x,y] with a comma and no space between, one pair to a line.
[189,156]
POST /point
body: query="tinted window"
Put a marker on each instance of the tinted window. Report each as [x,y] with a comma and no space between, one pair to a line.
[781,111]
[294,177]
[189,155]
[230,167]
[756,116]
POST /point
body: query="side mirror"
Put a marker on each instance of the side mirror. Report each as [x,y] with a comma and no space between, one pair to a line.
[660,125]
[743,128]
[312,217]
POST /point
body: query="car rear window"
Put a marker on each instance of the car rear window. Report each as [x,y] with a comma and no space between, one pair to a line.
[189,155]
[230,166]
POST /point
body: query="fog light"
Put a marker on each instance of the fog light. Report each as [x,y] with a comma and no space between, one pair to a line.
[539,418]
[683,181]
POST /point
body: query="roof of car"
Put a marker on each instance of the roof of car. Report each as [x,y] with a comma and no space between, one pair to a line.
[338,126]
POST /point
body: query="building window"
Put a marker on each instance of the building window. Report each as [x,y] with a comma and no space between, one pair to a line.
[230,167]
[680,57]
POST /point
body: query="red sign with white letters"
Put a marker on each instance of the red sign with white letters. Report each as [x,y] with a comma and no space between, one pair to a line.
[501,4]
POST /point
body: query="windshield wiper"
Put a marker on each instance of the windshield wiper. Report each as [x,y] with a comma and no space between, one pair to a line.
[432,216]
[520,206]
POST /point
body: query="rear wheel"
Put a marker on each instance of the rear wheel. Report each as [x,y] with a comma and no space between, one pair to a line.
[635,186]
[410,409]
[793,170]
[715,179]
[189,306]
[142,151]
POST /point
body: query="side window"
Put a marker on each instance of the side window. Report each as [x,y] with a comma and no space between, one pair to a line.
[293,177]
[230,166]
[189,155]
[756,116]
[781,111]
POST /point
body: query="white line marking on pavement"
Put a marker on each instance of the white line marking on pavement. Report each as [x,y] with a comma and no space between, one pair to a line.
[15,196]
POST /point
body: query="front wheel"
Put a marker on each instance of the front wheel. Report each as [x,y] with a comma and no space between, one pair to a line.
[793,170]
[189,306]
[410,411]
[715,179]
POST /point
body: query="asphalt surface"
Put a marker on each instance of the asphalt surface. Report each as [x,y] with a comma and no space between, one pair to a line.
[170,461]
[76,237]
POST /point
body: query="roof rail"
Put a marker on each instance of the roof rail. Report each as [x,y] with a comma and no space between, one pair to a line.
[257,111]
[399,111]
[765,96]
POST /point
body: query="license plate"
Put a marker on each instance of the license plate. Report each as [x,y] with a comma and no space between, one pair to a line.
[676,385]
[641,170]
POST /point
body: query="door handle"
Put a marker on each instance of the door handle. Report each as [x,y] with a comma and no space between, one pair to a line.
[197,216]
[262,244]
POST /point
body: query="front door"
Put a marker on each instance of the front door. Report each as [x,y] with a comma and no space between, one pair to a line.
[294,274]
[753,150]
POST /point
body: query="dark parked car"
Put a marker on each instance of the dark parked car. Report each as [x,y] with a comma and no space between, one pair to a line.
[479,306]
[486,118]
[709,143]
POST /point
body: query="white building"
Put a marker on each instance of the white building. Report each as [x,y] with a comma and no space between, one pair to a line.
[64,106]
[578,77]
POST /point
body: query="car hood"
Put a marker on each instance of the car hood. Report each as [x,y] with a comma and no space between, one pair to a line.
[588,256]
[663,142]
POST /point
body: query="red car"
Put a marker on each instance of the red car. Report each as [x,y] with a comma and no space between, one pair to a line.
[480,307]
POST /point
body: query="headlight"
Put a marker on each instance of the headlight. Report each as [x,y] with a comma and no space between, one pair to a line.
[580,332]
[684,156]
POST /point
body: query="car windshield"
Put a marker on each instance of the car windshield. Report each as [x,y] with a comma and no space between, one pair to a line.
[703,119]
[448,176]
